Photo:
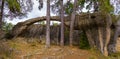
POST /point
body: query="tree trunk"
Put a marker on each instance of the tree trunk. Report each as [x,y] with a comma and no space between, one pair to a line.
[72,22]
[1,13]
[48,25]
[62,23]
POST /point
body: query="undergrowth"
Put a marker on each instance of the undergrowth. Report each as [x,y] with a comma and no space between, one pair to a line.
[84,44]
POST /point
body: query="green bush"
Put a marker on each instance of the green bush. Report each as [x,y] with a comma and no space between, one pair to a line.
[7,26]
[55,24]
[84,44]
[42,23]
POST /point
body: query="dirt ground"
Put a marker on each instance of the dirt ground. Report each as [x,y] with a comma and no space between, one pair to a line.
[34,50]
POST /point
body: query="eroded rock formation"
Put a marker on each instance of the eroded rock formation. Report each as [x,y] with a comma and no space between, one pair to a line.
[96,26]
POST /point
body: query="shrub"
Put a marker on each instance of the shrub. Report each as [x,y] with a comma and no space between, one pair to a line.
[84,44]
[7,26]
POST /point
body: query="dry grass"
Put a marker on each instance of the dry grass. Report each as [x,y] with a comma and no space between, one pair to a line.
[5,50]
[35,50]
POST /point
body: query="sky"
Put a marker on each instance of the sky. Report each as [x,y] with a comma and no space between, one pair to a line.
[35,13]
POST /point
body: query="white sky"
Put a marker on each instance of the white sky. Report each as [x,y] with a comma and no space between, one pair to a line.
[34,13]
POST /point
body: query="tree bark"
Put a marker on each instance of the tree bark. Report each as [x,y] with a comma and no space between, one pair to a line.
[72,22]
[48,25]
[62,23]
[1,13]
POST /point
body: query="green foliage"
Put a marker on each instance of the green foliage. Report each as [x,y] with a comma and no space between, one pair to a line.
[42,23]
[13,5]
[84,44]
[55,24]
[105,6]
[7,26]
[69,8]
[81,3]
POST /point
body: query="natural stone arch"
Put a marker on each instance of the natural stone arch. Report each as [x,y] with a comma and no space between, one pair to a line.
[90,22]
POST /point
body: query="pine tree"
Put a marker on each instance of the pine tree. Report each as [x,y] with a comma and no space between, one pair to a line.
[48,25]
